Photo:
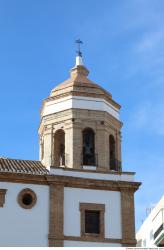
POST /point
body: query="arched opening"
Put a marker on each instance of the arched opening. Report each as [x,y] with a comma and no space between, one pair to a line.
[112,154]
[59,148]
[88,147]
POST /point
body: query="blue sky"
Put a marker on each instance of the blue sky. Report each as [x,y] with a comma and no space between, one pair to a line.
[124,51]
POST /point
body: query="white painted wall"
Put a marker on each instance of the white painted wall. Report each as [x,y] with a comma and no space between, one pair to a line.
[154,220]
[93,175]
[79,102]
[158,219]
[24,227]
[112,201]
[89,244]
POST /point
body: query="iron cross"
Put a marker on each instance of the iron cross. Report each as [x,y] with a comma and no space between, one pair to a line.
[79,42]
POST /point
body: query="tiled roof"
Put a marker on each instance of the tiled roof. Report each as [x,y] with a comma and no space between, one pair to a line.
[22,166]
[79,85]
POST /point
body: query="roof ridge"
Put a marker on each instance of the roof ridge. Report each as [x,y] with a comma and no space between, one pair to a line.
[22,166]
[7,158]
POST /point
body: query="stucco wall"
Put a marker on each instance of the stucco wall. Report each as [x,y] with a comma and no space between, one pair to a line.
[89,244]
[81,102]
[24,227]
[112,201]
[91,175]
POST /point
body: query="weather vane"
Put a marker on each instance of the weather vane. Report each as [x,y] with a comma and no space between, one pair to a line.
[79,42]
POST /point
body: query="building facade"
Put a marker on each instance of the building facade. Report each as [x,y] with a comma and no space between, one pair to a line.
[77,193]
[151,232]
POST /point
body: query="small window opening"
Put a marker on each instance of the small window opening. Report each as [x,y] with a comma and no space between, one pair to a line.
[112,156]
[27,199]
[92,222]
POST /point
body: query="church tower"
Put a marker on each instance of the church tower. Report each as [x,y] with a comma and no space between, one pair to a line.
[80,126]
[77,194]
[80,145]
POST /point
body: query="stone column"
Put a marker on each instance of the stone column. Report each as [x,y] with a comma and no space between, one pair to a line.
[101,148]
[69,146]
[56,219]
[77,145]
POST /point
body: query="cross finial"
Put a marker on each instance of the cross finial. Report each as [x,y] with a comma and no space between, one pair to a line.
[79,42]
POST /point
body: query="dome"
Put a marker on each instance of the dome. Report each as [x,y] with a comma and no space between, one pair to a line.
[79,87]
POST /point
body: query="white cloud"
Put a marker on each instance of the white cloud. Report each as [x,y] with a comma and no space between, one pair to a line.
[150,42]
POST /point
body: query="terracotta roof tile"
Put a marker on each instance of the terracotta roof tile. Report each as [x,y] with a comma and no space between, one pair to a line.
[22,166]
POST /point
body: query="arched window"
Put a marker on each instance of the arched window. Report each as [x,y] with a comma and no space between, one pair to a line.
[112,153]
[59,148]
[88,147]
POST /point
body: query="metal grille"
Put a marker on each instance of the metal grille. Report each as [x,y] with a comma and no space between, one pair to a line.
[92,222]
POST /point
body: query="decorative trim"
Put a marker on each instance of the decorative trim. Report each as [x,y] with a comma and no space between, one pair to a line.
[104,96]
[24,192]
[2,196]
[56,218]
[69,181]
[80,102]
[93,239]
[23,178]
[94,207]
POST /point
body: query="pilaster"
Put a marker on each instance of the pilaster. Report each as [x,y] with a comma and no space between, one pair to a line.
[128,217]
[100,149]
[47,159]
[69,146]
[56,219]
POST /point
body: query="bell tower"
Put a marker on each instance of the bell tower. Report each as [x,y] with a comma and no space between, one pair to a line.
[80,126]
[80,144]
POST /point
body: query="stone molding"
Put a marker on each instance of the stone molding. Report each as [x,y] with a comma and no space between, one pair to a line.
[22,193]
[23,178]
[93,207]
[2,196]
[93,239]
[77,93]
[68,114]
[69,181]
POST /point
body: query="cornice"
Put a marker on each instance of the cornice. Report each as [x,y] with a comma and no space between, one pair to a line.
[69,181]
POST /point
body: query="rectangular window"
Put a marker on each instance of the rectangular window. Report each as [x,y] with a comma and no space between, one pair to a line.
[2,196]
[92,221]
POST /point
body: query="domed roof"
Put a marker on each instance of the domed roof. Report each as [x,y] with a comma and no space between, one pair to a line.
[79,85]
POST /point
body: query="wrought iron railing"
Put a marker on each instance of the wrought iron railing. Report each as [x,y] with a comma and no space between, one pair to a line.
[115,165]
[158,231]
[86,160]
[89,160]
